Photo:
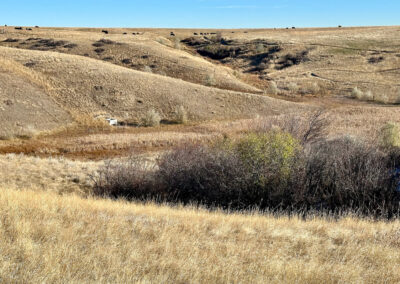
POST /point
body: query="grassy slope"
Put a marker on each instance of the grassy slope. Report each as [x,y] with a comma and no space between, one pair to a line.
[49,238]
[148,49]
[25,115]
[85,85]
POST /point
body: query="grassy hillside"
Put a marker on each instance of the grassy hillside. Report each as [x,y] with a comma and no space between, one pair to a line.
[148,52]
[25,108]
[49,238]
[87,86]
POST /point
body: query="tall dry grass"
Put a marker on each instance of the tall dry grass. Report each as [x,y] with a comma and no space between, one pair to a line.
[67,239]
[56,174]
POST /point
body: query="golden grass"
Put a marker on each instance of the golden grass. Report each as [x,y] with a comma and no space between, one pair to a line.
[64,239]
[56,175]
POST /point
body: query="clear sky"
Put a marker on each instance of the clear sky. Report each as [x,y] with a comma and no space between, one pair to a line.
[199,13]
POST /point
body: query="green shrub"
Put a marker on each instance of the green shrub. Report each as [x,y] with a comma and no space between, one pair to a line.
[274,150]
[390,135]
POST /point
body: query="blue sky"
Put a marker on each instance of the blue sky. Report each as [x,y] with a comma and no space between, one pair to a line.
[199,13]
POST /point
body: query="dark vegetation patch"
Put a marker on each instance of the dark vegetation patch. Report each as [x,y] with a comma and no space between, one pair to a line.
[11,40]
[108,58]
[375,60]
[71,45]
[196,41]
[126,61]
[29,64]
[99,50]
[107,41]
[48,44]
[292,169]
[256,54]
[261,61]
[218,52]
[98,44]
[292,59]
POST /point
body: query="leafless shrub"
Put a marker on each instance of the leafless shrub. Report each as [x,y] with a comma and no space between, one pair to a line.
[128,179]
[181,115]
[308,128]
[151,119]
[356,93]
[344,174]
[210,80]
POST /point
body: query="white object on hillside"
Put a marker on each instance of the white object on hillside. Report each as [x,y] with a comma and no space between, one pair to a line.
[112,121]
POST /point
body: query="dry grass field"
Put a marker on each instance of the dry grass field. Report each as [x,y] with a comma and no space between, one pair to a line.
[57,86]
[53,239]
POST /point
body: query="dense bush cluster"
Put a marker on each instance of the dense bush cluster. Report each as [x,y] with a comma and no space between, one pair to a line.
[271,170]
